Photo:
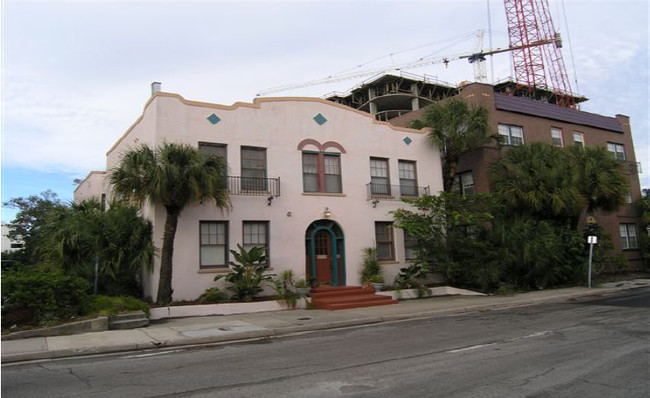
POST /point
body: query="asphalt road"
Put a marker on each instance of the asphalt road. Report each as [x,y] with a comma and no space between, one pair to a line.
[597,347]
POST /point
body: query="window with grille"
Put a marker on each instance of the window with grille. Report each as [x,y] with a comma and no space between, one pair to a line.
[256,234]
[379,177]
[556,137]
[512,135]
[408,181]
[578,139]
[321,172]
[213,244]
[628,236]
[463,183]
[410,249]
[617,150]
[253,168]
[384,239]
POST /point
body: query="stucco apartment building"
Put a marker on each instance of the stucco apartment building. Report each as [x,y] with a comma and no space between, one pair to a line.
[311,180]
[523,120]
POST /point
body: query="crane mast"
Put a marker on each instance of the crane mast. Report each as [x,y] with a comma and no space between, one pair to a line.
[529,21]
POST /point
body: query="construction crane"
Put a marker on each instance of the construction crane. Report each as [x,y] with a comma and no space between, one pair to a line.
[529,21]
[475,58]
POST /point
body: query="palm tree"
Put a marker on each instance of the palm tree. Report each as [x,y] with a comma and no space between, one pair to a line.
[457,130]
[535,179]
[174,175]
[601,179]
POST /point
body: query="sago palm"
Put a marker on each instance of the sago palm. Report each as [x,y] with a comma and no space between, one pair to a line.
[175,176]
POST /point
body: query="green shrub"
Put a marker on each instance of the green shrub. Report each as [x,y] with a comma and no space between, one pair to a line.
[213,295]
[108,306]
[370,264]
[44,293]
[247,275]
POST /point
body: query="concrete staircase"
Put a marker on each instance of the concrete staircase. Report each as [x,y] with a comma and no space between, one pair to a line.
[344,297]
[129,320]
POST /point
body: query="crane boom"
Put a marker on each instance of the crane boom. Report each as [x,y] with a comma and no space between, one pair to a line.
[472,58]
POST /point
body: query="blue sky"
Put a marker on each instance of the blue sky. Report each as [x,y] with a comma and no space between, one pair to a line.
[75,75]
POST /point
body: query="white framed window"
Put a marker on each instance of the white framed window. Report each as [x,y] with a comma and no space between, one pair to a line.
[556,137]
[617,150]
[628,236]
[408,180]
[578,139]
[256,234]
[379,177]
[512,135]
[463,183]
[213,244]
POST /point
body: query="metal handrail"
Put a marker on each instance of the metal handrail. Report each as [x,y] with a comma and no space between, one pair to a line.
[394,192]
[253,186]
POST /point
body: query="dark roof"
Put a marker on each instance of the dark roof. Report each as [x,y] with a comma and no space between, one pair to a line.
[542,109]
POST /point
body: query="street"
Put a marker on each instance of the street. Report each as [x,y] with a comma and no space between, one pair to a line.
[588,347]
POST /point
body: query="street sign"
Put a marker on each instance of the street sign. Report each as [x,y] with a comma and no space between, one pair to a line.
[592,240]
[591,220]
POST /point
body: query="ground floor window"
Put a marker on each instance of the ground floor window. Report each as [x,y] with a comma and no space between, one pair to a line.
[384,241]
[628,236]
[410,249]
[256,234]
[213,244]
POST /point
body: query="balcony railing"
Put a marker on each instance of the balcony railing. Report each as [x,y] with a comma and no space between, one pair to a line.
[394,192]
[253,186]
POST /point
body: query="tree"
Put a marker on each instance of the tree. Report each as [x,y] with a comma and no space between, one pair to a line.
[175,176]
[118,238]
[601,181]
[536,180]
[457,130]
[555,184]
[32,214]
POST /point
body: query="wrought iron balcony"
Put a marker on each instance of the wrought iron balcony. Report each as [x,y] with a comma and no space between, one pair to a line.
[253,186]
[394,192]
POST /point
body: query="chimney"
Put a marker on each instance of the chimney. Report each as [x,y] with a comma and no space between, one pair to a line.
[155,88]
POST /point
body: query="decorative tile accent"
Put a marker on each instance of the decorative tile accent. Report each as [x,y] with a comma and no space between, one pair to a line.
[407,140]
[320,119]
[214,119]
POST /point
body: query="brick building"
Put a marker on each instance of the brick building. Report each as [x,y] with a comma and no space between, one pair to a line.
[523,120]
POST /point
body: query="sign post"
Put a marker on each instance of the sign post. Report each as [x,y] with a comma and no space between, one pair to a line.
[592,240]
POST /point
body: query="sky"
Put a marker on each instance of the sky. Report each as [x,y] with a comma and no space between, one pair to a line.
[76,74]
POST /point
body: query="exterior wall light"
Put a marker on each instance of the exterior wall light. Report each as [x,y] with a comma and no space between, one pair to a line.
[327,213]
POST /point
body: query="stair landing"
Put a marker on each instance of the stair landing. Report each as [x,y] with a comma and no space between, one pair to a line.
[345,297]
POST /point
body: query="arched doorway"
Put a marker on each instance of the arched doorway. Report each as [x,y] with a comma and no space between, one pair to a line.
[325,253]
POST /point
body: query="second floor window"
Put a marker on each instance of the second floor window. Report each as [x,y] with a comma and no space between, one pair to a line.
[512,135]
[379,177]
[628,236]
[209,148]
[578,139]
[253,168]
[321,172]
[408,182]
[464,183]
[617,150]
[556,137]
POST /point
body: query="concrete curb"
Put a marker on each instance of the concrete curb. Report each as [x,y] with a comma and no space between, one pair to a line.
[273,332]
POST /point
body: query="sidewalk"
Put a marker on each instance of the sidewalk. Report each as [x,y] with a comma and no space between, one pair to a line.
[215,329]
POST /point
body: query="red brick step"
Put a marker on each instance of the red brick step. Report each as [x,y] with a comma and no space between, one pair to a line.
[344,297]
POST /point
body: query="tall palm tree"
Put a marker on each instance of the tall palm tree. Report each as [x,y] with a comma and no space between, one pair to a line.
[174,175]
[458,128]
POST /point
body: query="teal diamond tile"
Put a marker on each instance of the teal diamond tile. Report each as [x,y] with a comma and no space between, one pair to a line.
[320,119]
[407,140]
[214,119]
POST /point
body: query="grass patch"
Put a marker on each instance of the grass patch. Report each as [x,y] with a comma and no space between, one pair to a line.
[109,306]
